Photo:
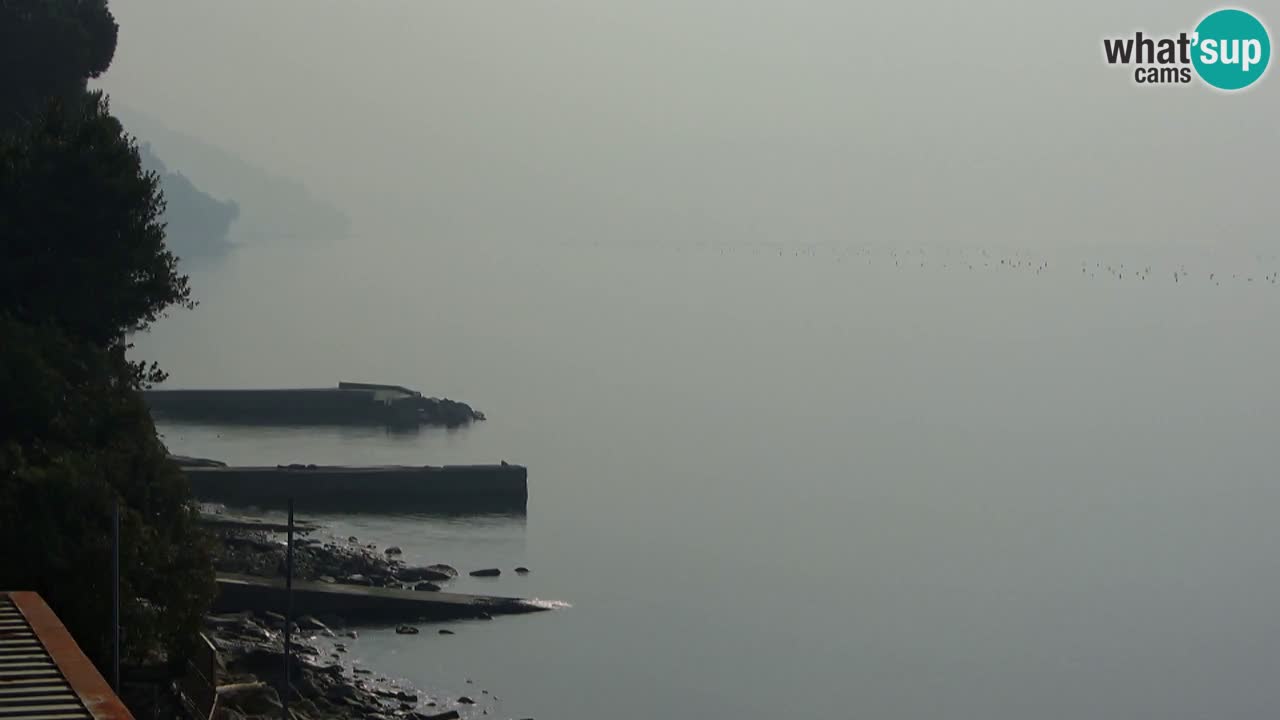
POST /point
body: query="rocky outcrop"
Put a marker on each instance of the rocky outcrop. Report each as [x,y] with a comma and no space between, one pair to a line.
[248,699]
[416,574]
[188,461]
[306,622]
[443,411]
[446,569]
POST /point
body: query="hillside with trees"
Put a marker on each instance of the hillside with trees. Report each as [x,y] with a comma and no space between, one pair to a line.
[196,223]
[270,207]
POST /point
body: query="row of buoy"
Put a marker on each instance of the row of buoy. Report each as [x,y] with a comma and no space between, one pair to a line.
[978,260]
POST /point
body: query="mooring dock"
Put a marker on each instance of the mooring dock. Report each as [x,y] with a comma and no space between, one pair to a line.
[497,488]
[356,603]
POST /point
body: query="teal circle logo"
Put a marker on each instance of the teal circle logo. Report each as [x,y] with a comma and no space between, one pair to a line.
[1232,49]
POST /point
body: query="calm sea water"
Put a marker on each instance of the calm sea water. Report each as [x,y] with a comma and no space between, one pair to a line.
[780,480]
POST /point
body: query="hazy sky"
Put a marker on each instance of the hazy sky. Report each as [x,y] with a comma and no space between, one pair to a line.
[975,492]
[989,121]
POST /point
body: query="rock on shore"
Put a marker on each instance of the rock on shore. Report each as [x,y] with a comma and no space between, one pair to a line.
[251,659]
[450,413]
[188,461]
[254,552]
[250,646]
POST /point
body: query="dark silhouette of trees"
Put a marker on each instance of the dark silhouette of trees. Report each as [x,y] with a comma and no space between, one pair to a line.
[75,436]
[50,49]
[83,263]
[81,241]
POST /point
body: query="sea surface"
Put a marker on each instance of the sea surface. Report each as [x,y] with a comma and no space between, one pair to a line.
[876,480]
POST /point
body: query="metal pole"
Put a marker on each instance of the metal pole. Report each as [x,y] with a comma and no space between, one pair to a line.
[288,612]
[115,596]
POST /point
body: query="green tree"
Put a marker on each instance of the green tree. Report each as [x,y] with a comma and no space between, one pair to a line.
[83,263]
[75,436]
[81,240]
[49,49]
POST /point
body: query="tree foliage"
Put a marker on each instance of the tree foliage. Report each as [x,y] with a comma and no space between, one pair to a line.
[75,436]
[81,240]
[83,263]
[50,48]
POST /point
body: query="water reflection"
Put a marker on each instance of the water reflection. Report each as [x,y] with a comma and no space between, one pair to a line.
[345,431]
[484,511]
[273,444]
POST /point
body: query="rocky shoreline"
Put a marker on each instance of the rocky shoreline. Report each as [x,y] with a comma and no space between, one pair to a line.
[250,655]
[249,551]
[323,683]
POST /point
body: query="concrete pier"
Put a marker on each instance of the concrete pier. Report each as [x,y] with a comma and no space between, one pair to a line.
[346,404]
[495,488]
[287,405]
[356,603]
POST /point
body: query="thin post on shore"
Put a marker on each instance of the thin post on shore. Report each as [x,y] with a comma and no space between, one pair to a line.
[288,612]
[115,596]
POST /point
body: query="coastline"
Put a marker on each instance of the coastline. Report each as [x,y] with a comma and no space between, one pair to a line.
[328,678]
[325,680]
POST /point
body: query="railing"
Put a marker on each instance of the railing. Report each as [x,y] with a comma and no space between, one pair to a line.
[43,673]
[199,683]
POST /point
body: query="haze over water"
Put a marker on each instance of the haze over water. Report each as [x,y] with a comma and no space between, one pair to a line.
[707,270]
